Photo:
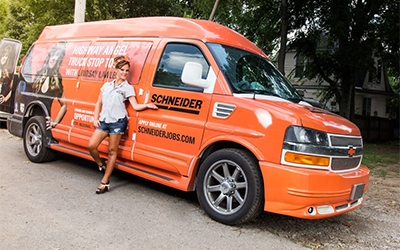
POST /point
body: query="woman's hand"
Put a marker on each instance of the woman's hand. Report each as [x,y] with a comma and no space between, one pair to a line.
[151,106]
[96,123]
[2,99]
[50,124]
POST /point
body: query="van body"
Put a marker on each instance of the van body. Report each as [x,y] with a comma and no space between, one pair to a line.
[228,126]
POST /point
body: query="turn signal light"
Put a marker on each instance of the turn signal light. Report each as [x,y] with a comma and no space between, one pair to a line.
[306,159]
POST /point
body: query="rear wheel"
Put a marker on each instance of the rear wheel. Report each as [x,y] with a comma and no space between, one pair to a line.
[229,186]
[34,137]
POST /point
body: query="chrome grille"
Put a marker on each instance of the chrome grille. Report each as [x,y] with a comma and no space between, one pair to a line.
[339,164]
[345,141]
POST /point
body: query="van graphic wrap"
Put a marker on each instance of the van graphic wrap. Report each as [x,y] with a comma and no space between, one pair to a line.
[160,130]
[9,52]
[42,81]
[176,103]
[47,84]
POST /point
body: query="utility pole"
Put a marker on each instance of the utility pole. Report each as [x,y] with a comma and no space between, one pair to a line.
[80,8]
[214,10]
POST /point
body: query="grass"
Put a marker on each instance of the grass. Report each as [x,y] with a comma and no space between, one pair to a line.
[382,159]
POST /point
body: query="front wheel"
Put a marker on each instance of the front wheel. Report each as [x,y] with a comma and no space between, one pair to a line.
[34,137]
[229,186]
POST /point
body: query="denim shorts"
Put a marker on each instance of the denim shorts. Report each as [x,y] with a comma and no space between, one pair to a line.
[116,128]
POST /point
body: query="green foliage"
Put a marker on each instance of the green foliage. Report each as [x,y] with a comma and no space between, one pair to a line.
[352,31]
[3,15]
[340,38]
[17,20]
[257,20]
[104,10]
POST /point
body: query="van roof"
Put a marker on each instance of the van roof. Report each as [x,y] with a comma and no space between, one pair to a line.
[204,30]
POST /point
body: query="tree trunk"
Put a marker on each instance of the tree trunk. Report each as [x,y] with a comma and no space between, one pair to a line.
[284,31]
[214,10]
[346,104]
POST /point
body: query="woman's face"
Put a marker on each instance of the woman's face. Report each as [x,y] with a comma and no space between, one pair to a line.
[54,58]
[123,72]
[4,58]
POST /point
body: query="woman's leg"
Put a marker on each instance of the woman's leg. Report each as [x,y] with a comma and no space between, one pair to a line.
[113,143]
[97,137]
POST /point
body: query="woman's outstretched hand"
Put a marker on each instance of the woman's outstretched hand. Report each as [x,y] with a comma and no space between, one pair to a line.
[151,106]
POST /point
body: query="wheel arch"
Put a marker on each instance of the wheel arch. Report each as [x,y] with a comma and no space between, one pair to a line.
[34,108]
[220,144]
[37,108]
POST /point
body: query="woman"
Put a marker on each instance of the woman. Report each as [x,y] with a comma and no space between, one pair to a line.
[5,75]
[48,83]
[113,121]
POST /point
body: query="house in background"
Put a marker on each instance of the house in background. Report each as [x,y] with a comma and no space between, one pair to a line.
[372,104]
[373,92]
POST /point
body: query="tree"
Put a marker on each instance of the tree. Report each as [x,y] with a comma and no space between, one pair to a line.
[16,23]
[3,14]
[341,37]
[257,20]
[25,19]
[284,33]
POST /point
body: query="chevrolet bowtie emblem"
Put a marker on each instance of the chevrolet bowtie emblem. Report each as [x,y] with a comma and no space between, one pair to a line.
[351,152]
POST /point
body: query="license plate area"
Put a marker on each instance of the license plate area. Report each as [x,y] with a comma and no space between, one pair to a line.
[357,191]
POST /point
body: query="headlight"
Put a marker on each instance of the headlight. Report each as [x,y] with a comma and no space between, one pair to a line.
[306,136]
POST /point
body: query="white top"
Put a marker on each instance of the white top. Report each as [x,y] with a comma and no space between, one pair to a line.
[114,98]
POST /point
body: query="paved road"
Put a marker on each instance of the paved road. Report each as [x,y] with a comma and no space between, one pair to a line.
[54,206]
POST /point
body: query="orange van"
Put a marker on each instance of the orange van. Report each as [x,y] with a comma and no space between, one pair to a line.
[228,126]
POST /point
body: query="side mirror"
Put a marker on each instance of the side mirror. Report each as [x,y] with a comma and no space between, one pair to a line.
[191,75]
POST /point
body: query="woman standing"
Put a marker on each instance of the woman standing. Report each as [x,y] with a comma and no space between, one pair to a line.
[112,121]
[48,84]
[5,74]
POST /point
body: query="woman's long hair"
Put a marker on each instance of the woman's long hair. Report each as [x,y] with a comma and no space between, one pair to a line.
[5,69]
[53,75]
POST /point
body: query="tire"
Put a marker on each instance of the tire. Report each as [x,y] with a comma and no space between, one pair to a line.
[34,137]
[229,186]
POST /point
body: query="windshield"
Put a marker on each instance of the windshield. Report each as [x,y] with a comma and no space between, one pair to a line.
[250,73]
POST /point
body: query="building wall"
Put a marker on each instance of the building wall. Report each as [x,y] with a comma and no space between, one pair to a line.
[310,90]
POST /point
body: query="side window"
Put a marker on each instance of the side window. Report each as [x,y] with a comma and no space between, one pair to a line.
[173,60]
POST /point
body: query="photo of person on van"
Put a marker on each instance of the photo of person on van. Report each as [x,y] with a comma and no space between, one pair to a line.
[48,83]
[111,118]
[6,73]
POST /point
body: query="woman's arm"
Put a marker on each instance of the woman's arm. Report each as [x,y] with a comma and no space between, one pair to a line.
[138,107]
[97,108]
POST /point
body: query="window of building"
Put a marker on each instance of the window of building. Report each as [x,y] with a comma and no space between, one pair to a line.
[299,64]
[366,107]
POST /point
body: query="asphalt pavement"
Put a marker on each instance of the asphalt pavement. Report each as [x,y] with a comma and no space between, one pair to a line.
[54,206]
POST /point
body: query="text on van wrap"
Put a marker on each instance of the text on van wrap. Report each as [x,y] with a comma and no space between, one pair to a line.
[167,135]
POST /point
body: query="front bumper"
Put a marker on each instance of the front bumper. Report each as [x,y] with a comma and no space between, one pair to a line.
[312,194]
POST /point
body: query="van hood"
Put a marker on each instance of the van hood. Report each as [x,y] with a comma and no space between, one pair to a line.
[307,115]
[314,117]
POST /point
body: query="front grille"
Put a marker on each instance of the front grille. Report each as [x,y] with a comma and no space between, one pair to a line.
[341,141]
[339,164]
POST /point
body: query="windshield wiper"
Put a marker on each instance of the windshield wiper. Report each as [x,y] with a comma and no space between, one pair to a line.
[295,99]
[259,91]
